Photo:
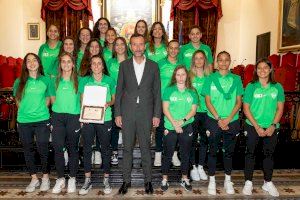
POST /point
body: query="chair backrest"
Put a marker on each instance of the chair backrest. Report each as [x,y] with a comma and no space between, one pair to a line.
[275,60]
[298,62]
[2,59]
[248,74]
[18,67]
[289,60]
[291,83]
[280,75]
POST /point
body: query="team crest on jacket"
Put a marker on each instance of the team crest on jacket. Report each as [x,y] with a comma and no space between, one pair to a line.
[189,99]
[273,95]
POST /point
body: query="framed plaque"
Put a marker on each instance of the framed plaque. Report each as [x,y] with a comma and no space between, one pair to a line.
[93,113]
[93,104]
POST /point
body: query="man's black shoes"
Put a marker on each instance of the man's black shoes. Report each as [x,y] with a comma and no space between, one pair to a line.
[148,188]
[124,188]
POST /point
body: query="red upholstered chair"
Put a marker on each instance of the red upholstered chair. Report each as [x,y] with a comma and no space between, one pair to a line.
[248,74]
[2,62]
[291,80]
[289,60]
[18,67]
[7,74]
[298,62]
[275,60]
[11,61]
[2,59]
[4,110]
[239,70]
[280,74]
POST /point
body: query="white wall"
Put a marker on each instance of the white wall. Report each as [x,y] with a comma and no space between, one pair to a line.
[32,14]
[257,17]
[11,33]
[242,21]
[14,16]
[229,29]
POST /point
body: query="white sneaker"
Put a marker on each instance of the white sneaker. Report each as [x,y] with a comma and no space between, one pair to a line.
[164,185]
[107,187]
[202,173]
[175,160]
[59,185]
[71,185]
[34,183]
[185,183]
[194,174]
[93,157]
[120,140]
[248,187]
[270,188]
[98,159]
[212,188]
[86,186]
[66,156]
[157,159]
[45,184]
[228,186]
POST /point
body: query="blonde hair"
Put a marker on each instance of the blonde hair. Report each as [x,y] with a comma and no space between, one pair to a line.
[206,68]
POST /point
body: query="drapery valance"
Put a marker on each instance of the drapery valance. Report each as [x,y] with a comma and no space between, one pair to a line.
[54,5]
[198,5]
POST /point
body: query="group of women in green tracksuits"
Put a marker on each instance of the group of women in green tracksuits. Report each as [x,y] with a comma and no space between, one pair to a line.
[199,105]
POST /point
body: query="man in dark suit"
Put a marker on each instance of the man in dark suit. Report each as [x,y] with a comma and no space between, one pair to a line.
[137,108]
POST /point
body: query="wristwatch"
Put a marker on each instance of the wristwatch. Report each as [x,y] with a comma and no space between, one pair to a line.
[276,125]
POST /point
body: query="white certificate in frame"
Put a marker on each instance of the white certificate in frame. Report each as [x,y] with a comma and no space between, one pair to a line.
[93,104]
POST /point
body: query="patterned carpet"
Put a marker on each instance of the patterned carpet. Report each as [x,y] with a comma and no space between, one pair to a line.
[12,186]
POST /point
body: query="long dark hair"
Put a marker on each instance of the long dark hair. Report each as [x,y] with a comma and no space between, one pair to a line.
[96,32]
[114,53]
[74,53]
[164,39]
[78,42]
[87,56]
[146,25]
[25,74]
[188,83]
[109,29]
[90,72]
[74,77]
[271,75]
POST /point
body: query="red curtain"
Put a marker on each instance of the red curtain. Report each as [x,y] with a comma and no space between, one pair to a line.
[205,13]
[68,15]
[197,5]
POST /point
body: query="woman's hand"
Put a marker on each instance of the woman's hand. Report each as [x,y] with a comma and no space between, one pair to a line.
[223,124]
[178,129]
[179,123]
[269,132]
[260,131]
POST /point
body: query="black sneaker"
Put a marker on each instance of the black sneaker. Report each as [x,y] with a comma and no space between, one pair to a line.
[185,183]
[86,186]
[114,159]
[164,185]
